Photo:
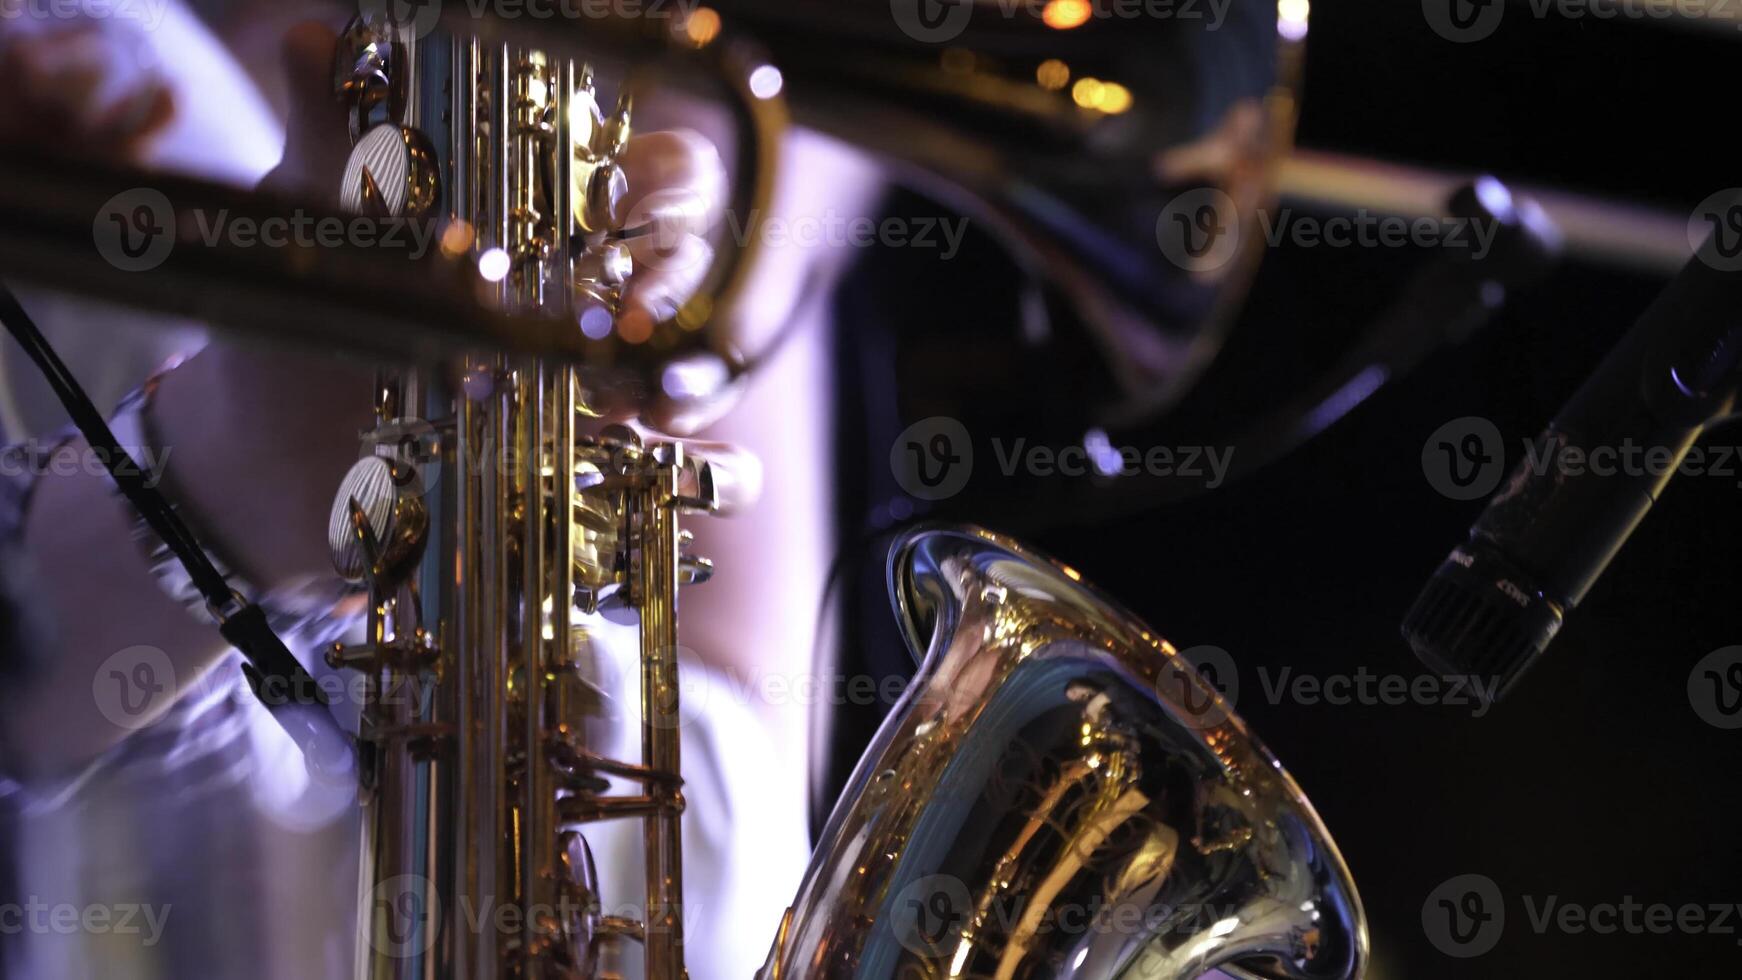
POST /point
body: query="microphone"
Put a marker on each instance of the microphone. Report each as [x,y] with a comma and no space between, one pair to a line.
[1497,601]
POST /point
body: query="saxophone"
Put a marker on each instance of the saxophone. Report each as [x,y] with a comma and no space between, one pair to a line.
[1059,794]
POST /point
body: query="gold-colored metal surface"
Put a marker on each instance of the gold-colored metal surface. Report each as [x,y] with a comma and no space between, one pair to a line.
[1052,757]
[654,512]
[1040,765]
[1059,795]
[477,769]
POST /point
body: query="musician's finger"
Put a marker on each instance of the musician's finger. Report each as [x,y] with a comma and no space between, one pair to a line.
[737,471]
[315,138]
[79,90]
[129,126]
[62,74]
[667,271]
[674,178]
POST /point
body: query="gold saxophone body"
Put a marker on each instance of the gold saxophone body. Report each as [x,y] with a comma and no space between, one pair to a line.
[1058,795]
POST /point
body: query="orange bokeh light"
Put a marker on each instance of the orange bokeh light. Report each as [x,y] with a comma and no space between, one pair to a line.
[1065,14]
[635,326]
[702,26]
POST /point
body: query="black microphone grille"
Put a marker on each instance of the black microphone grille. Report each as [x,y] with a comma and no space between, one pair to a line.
[1481,616]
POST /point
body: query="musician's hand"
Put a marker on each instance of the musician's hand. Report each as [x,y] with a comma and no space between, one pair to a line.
[80,88]
[266,467]
[676,193]
[316,132]
[674,179]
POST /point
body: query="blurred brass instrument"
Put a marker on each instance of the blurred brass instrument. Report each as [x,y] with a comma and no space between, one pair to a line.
[1059,794]
[472,791]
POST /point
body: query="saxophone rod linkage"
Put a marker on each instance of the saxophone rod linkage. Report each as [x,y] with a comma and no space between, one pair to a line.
[655,510]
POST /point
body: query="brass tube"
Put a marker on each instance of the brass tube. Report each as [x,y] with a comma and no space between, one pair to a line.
[656,587]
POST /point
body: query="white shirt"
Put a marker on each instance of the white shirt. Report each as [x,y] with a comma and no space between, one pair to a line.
[198,831]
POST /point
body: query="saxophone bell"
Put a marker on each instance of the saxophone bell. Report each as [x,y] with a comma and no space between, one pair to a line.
[1058,795]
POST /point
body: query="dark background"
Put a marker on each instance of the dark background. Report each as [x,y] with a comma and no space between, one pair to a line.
[1596,781]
